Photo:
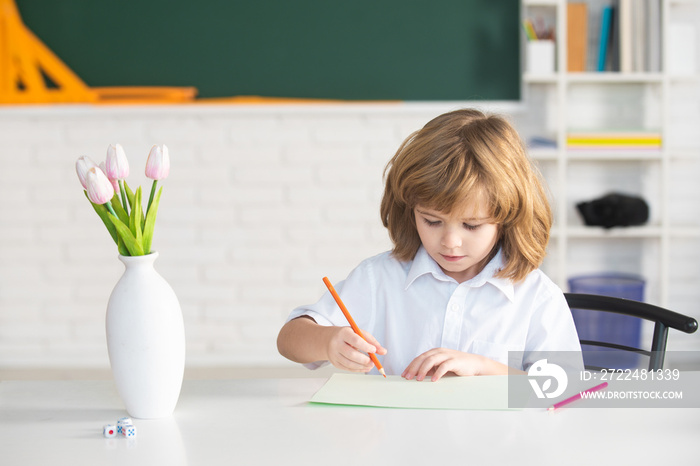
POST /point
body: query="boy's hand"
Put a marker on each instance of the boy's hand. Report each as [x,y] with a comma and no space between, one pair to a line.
[346,350]
[439,361]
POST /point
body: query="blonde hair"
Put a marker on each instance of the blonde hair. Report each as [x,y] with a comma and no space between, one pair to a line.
[461,157]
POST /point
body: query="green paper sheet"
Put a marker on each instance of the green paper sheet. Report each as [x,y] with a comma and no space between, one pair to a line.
[482,393]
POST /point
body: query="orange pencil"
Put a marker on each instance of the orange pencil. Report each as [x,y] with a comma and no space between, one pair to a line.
[354,326]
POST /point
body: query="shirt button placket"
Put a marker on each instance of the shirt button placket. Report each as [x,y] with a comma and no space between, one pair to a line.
[452,328]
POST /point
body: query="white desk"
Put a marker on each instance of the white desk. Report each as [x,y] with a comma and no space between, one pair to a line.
[268,422]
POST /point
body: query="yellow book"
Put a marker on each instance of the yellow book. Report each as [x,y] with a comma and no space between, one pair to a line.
[614,141]
[613,147]
[614,135]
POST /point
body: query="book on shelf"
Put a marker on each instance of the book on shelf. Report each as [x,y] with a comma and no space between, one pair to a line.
[605,37]
[577,36]
[640,36]
[541,142]
[622,139]
[614,35]
[626,35]
[653,38]
[613,45]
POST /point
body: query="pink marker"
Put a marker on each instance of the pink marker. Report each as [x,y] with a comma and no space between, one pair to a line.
[577,396]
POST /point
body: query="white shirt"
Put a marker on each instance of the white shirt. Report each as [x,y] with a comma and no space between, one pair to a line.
[412,307]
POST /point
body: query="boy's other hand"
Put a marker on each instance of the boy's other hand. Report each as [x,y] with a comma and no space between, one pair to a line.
[439,361]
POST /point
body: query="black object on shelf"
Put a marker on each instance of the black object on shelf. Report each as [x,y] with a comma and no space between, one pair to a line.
[614,210]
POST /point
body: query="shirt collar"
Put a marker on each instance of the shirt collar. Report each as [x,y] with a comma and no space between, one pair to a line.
[424,264]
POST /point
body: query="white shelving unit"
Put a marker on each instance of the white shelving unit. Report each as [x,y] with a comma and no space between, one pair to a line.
[666,251]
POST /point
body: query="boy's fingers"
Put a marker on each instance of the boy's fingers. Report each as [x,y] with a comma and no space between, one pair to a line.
[361,345]
[349,358]
[423,364]
[358,342]
[354,365]
[352,354]
[378,348]
[432,362]
[410,370]
[440,371]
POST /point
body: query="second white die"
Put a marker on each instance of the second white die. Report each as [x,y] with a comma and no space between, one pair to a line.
[128,430]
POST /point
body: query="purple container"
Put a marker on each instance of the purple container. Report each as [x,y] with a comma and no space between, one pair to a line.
[607,327]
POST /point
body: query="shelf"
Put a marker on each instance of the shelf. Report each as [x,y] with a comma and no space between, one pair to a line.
[543,154]
[584,232]
[666,103]
[685,232]
[606,155]
[643,232]
[612,155]
[614,78]
[604,77]
[684,153]
[682,79]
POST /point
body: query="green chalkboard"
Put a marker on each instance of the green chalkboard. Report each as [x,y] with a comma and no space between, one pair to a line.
[327,49]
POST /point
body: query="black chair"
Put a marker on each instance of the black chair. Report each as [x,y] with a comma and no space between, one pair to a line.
[663,320]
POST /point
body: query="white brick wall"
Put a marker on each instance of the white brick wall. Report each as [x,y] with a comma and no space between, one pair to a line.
[261,203]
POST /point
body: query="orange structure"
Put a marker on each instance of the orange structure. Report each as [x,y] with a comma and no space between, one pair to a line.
[31,73]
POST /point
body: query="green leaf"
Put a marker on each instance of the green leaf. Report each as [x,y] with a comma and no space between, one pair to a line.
[104,214]
[136,218]
[122,247]
[129,195]
[132,200]
[134,247]
[117,206]
[150,223]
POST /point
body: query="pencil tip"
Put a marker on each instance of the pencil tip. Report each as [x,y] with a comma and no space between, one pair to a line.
[382,372]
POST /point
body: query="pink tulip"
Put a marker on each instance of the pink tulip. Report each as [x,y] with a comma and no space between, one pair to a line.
[117,166]
[99,188]
[82,165]
[158,163]
[115,183]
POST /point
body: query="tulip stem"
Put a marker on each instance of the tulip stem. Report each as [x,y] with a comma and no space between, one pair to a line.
[150,198]
[124,203]
[111,209]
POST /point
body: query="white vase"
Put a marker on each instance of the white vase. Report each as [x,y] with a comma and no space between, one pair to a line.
[145,339]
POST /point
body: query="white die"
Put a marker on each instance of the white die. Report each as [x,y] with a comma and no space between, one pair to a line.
[128,430]
[109,431]
[122,422]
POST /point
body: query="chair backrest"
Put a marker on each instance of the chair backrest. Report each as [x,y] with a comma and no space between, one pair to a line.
[663,320]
